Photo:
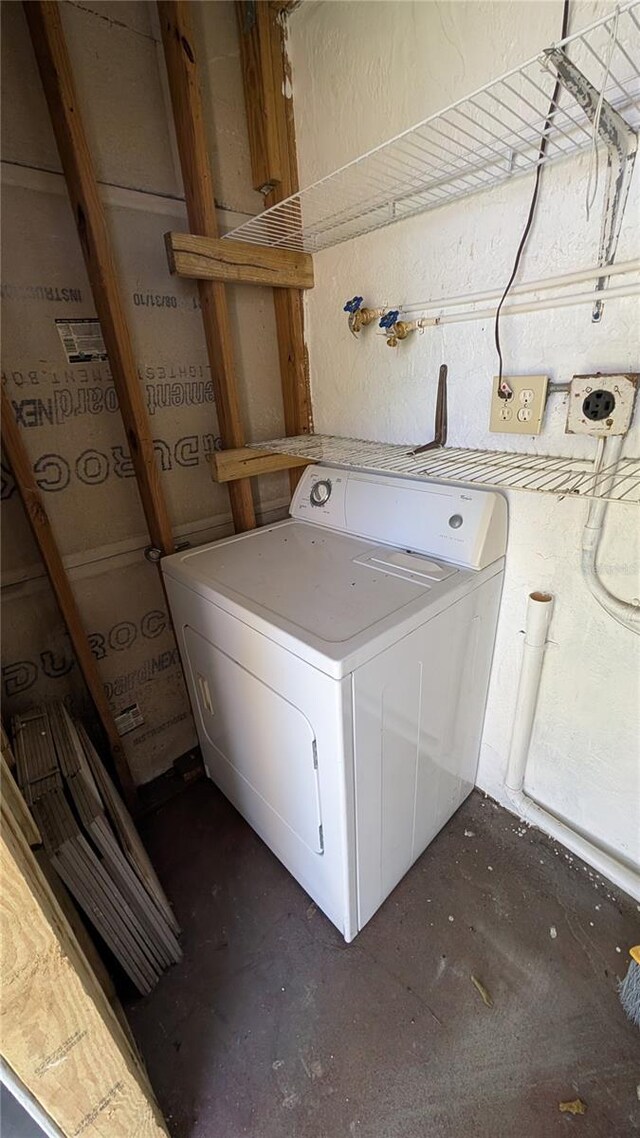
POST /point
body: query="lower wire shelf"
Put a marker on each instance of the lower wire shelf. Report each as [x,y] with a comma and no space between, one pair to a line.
[512,470]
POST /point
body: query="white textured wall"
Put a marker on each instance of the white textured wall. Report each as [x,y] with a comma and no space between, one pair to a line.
[361,73]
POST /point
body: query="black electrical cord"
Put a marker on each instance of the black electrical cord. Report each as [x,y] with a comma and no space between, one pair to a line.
[532,208]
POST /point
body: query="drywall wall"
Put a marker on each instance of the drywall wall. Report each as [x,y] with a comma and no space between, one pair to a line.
[363,72]
[68,411]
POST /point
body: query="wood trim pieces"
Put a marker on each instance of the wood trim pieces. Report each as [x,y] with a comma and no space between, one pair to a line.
[60,1034]
[47,37]
[182,72]
[247,462]
[41,527]
[237,262]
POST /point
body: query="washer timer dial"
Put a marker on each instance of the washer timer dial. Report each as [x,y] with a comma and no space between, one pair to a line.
[320,492]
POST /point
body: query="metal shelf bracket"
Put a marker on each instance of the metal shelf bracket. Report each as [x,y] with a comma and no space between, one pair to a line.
[621,141]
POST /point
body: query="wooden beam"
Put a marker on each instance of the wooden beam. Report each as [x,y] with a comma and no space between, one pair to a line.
[285,7]
[13,803]
[182,72]
[237,262]
[41,527]
[60,1035]
[47,37]
[262,90]
[262,113]
[247,462]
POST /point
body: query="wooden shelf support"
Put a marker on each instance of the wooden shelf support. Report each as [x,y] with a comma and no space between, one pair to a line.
[47,37]
[182,72]
[41,527]
[248,462]
[236,262]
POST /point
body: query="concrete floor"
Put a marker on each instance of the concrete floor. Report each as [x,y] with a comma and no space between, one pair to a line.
[272,1027]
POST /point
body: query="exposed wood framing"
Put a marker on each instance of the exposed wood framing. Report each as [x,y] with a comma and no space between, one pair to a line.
[237,262]
[179,51]
[262,111]
[60,1034]
[45,26]
[285,6]
[38,520]
[265,88]
[247,462]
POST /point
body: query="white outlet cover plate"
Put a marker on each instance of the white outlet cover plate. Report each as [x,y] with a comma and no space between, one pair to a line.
[522,414]
[623,389]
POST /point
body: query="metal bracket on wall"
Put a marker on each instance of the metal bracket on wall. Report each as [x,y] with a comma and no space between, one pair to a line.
[621,141]
[440,435]
[155,555]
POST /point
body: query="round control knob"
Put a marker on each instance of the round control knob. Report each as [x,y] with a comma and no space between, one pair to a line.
[455,521]
[320,492]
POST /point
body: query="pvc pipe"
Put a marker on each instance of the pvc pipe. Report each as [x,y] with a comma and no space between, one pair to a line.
[627,613]
[622,875]
[561,281]
[539,612]
[531,306]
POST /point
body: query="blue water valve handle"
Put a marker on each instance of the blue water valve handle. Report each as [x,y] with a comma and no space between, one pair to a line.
[390,318]
[353,305]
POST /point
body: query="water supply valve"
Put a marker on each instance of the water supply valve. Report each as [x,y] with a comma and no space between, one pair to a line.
[359,317]
[396,329]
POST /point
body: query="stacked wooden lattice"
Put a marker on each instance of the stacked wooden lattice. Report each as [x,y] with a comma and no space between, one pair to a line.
[93,844]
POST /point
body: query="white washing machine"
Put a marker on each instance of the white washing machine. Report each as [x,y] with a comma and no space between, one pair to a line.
[338,665]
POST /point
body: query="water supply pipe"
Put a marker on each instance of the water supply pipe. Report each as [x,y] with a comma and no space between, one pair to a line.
[568,300]
[539,611]
[562,281]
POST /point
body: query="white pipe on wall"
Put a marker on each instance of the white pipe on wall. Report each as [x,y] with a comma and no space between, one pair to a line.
[566,301]
[539,612]
[577,277]
[626,613]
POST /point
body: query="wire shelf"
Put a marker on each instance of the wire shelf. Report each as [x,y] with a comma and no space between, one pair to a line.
[486,138]
[492,468]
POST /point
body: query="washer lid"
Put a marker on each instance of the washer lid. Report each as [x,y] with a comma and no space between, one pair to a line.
[317,593]
[325,584]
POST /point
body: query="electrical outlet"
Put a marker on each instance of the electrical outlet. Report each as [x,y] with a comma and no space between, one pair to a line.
[522,413]
[601,405]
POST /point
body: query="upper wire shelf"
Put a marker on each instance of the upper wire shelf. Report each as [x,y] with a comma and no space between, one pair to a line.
[571,477]
[486,138]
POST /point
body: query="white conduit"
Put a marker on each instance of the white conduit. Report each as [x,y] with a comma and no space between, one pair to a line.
[627,613]
[577,277]
[539,612]
[566,301]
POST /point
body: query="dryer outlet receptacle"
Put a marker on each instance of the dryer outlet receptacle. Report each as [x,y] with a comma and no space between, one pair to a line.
[601,405]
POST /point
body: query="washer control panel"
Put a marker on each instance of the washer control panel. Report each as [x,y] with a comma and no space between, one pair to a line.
[320,495]
[320,492]
[461,525]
